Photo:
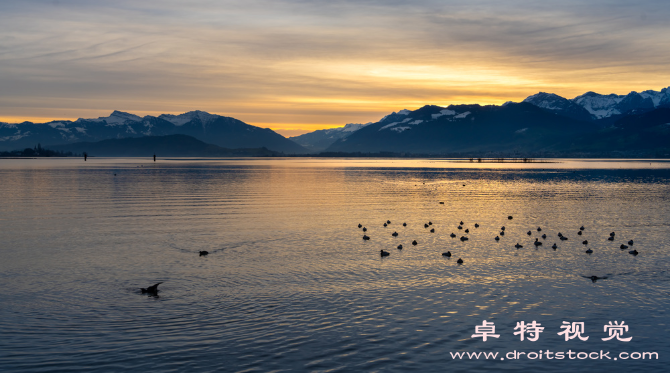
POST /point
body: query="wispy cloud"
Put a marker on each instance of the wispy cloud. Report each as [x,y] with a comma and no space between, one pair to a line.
[309,63]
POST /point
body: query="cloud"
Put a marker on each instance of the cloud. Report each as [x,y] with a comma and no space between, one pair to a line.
[351,60]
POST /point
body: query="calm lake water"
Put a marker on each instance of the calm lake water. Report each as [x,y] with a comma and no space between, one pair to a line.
[290,285]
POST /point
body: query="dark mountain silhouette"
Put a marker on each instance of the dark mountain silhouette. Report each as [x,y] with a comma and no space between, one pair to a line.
[464,128]
[215,129]
[510,129]
[162,146]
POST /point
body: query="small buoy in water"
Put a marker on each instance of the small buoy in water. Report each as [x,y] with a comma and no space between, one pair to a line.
[554,247]
[589,251]
[414,242]
[204,252]
[497,238]
[509,217]
[595,278]
[448,254]
[633,252]
[452,235]
[365,237]
[518,246]
[394,234]
[399,247]
[459,261]
[384,253]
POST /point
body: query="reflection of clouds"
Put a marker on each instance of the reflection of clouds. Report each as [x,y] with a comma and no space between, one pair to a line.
[262,60]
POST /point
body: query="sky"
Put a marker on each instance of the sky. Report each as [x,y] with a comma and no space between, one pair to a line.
[296,66]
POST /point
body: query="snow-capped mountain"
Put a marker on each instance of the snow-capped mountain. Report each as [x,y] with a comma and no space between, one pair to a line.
[559,105]
[513,129]
[321,139]
[597,106]
[211,128]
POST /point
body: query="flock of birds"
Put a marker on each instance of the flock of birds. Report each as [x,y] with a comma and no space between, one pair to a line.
[153,290]
[537,243]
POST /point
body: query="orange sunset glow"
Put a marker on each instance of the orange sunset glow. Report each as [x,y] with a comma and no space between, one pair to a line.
[297,67]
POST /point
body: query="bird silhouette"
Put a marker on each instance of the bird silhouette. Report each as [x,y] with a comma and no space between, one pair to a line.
[203,252]
[152,290]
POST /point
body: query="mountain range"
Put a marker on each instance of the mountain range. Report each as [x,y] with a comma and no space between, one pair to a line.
[319,140]
[636,124]
[592,124]
[214,129]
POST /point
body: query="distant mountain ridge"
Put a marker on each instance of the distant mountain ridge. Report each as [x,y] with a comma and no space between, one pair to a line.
[576,118]
[215,129]
[594,106]
[319,140]
[513,129]
[543,122]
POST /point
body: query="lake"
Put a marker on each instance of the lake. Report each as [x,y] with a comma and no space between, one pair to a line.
[290,285]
